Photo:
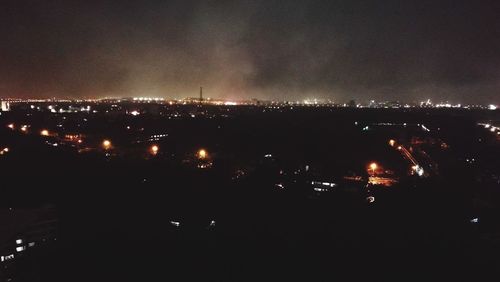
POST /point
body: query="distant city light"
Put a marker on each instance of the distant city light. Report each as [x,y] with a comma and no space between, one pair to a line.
[44,132]
[11,126]
[492,107]
[134,113]
[392,142]
[24,128]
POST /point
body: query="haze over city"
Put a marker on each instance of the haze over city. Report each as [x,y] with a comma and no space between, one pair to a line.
[286,50]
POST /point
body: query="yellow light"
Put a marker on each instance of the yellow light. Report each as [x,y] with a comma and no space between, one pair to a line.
[44,132]
[106,144]
[373,166]
[24,128]
[154,149]
[392,142]
[11,126]
[202,154]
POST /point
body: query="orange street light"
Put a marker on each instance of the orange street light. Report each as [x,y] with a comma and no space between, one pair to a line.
[106,144]
[373,167]
[154,149]
[202,154]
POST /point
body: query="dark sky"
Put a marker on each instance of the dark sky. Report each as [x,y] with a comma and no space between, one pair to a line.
[398,50]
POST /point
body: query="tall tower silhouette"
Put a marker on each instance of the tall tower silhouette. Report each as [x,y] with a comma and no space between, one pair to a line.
[201,94]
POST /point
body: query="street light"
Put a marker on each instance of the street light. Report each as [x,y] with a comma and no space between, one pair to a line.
[106,144]
[373,167]
[154,149]
[44,132]
[202,154]
[392,142]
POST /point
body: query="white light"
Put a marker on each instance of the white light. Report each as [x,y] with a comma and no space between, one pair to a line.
[19,241]
[320,189]
[175,223]
[420,172]
[9,257]
[492,107]
[20,249]
[134,113]
[31,244]
[212,223]
[475,220]
[370,199]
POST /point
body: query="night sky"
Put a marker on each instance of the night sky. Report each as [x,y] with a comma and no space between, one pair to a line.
[339,50]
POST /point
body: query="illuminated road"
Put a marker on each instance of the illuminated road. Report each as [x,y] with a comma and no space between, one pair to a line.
[408,155]
[415,165]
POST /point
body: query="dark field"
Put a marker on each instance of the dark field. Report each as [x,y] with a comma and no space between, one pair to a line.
[252,214]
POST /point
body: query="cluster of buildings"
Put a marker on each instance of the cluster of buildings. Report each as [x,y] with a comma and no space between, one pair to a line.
[77,103]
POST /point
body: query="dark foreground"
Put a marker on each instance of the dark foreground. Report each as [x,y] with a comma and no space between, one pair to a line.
[132,217]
